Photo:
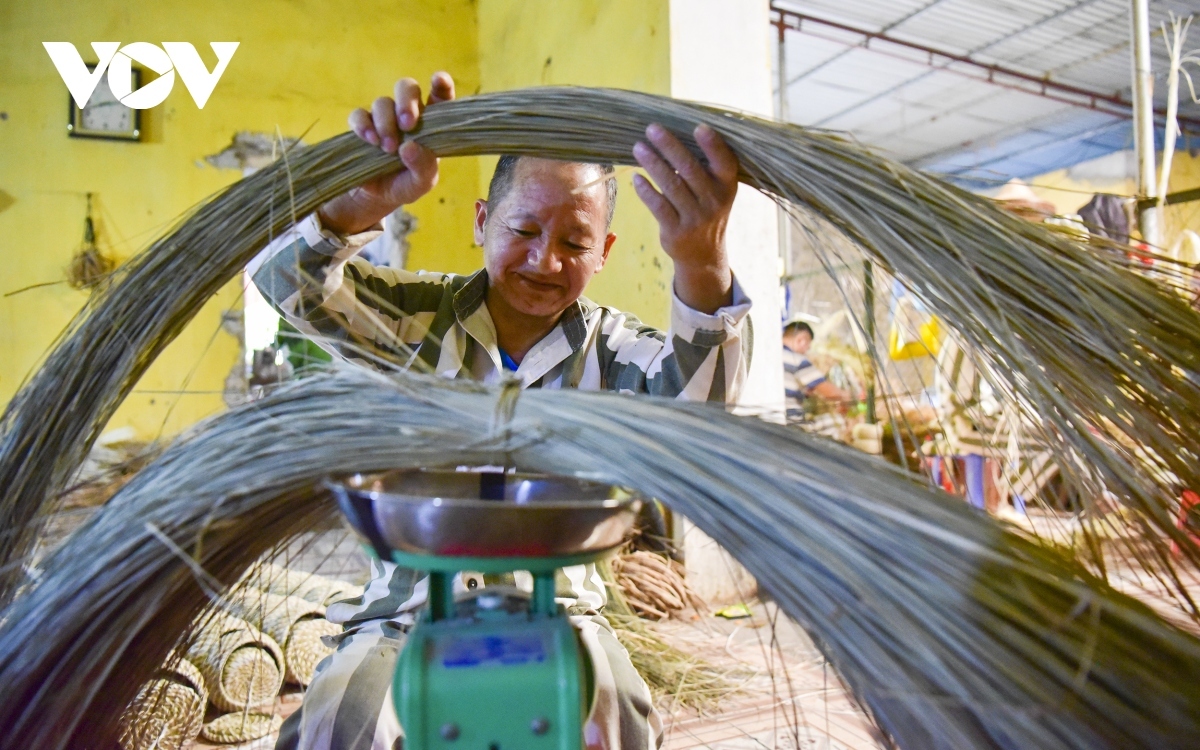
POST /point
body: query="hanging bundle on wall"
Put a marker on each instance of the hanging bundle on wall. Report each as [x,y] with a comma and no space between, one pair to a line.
[90,267]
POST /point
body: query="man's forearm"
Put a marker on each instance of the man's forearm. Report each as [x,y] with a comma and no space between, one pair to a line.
[705,289]
[296,262]
[351,213]
[831,392]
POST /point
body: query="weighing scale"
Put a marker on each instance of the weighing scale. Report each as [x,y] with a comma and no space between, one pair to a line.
[494,668]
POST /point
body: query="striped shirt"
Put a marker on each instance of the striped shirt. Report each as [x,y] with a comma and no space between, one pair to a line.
[440,322]
[799,378]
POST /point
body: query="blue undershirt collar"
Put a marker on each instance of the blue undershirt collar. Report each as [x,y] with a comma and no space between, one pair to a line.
[508,362]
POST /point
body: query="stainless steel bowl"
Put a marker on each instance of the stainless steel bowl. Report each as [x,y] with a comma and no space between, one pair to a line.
[486,513]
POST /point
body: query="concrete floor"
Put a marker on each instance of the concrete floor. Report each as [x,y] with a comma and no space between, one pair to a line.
[790,698]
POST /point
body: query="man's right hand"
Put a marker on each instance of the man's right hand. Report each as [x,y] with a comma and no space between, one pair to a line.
[384,126]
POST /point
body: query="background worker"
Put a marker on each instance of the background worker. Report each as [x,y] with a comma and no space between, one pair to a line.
[997,456]
[544,229]
[801,379]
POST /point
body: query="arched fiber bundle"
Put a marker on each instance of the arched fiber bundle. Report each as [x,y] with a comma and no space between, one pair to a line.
[1106,359]
[950,629]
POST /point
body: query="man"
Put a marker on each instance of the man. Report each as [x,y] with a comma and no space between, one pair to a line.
[544,228]
[801,378]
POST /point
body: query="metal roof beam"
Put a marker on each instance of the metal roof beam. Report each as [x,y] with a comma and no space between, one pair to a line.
[782,25]
[991,73]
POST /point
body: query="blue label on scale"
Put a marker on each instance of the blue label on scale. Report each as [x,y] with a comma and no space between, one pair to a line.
[492,650]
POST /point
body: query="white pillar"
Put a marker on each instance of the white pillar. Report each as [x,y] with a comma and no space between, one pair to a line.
[1143,120]
[721,54]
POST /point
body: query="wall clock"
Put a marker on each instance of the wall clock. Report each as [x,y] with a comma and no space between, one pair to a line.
[105,116]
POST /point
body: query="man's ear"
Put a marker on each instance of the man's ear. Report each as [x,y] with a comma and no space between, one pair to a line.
[481,208]
[608,243]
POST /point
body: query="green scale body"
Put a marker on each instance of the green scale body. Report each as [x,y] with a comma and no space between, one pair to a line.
[496,668]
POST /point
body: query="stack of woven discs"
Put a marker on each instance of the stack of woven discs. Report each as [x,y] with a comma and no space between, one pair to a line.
[296,624]
[244,669]
[267,630]
[168,711]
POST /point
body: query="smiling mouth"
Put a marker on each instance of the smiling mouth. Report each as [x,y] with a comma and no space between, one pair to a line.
[539,285]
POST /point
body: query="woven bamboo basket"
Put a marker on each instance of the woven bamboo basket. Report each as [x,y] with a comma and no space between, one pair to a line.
[243,667]
[294,623]
[308,586]
[168,711]
[231,729]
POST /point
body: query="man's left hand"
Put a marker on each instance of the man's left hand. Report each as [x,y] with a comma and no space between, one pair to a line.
[692,210]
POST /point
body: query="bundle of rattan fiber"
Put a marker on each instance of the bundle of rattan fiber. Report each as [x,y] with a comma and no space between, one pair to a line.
[295,624]
[243,667]
[654,586]
[1100,357]
[953,630]
[168,711]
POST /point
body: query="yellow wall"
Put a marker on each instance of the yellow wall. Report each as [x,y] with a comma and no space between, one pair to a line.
[300,64]
[617,43]
[1185,175]
[1069,194]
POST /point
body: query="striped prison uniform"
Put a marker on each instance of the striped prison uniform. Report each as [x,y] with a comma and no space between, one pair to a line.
[800,377]
[440,322]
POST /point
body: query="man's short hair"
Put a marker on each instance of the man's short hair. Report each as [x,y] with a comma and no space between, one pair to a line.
[797,327]
[506,168]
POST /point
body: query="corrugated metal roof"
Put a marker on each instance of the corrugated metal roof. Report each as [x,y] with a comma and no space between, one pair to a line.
[941,115]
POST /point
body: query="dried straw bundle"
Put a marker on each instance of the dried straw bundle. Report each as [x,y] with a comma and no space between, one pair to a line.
[1105,359]
[951,630]
[684,678]
[310,587]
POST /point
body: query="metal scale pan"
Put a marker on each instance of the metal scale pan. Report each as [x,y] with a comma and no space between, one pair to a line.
[437,519]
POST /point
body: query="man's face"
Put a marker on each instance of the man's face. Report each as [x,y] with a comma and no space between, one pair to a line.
[547,237]
[800,342]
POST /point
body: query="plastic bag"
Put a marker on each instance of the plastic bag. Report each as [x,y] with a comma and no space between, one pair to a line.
[915,332]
